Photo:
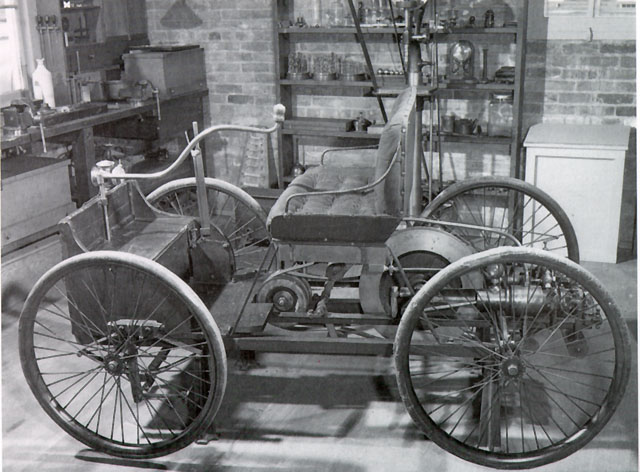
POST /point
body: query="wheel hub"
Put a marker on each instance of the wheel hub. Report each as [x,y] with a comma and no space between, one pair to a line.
[284,300]
[114,365]
[512,368]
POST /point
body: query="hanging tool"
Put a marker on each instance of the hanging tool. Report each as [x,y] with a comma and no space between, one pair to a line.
[40,29]
[51,32]
[65,30]
[49,54]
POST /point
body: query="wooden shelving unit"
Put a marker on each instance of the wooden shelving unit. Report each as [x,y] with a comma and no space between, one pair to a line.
[516,35]
[287,89]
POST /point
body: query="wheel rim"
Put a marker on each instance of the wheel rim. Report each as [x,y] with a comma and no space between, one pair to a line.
[527,214]
[513,381]
[135,376]
[244,227]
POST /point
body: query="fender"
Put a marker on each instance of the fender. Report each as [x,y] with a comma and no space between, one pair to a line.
[414,239]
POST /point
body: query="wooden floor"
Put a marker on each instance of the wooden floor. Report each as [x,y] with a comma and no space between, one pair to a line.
[290,413]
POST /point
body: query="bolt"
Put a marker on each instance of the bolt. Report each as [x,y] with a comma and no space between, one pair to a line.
[281,301]
[512,369]
[112,365]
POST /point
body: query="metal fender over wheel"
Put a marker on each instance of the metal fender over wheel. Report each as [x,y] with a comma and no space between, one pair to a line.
[415,247]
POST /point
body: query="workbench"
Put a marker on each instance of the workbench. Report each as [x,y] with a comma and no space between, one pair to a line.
[126,121]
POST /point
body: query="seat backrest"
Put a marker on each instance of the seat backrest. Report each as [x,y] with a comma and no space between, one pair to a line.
[389,194]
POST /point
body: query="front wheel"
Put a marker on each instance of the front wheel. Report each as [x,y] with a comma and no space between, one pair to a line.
[122,354]
[520,371]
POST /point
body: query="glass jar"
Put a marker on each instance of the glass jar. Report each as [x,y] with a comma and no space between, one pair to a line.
[335,14]
[500,115]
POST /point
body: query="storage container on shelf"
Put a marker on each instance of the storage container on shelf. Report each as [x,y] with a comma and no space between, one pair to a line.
[500,115]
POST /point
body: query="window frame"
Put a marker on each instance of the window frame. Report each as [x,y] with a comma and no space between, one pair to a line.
[29,46]
[569,27]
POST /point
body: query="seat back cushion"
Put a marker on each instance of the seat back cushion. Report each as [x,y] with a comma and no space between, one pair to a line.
[389,195]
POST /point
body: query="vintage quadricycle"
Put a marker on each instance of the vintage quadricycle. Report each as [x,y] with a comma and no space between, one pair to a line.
[507,353]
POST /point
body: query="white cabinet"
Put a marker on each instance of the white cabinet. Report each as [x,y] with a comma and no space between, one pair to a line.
[582,167]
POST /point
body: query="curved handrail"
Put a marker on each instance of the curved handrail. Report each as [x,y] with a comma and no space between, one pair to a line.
[353,148]
[278,115]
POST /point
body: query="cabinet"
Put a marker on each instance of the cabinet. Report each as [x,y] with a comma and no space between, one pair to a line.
[305,96]
[592,157]
[35,196]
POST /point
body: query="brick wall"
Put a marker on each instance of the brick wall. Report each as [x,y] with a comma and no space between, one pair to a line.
[580,82]
[566,81]
[237,36]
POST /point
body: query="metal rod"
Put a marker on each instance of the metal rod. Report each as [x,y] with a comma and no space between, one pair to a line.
[397,38]
[367,58]
[415,207]
[430,166]
[156,93]
[44,141]
[201,187]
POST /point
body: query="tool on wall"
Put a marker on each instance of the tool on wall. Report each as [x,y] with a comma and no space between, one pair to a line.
[47,26]
[47,31]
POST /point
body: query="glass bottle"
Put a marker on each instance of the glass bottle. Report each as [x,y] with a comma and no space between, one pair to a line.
[316,13]
[335,14]
[500,115]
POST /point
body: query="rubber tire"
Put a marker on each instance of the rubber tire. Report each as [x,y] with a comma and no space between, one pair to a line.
[512,184]
[41,392]
[497,460]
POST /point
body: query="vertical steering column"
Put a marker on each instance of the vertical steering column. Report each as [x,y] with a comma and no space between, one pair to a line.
[414,78]
[201,188]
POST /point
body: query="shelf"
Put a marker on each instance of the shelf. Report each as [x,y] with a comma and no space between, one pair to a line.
[466,31]
[331,133]
[395,90]
[462,91]
[339,30]
[327,83]
[491,86]
[474,138]
[78,9]
[507,30]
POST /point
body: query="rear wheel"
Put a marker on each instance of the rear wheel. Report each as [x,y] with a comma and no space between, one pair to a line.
[508,205]
[233,211]
[520,371]
[122,354]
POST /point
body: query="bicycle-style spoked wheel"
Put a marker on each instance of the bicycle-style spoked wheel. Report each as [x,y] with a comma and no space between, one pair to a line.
[122,354]
[508,205]
[520,371]
[233,211]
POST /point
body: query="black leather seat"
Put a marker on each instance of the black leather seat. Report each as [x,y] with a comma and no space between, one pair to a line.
[349,204]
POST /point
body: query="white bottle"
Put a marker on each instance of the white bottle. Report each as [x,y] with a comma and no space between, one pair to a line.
[43,84]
